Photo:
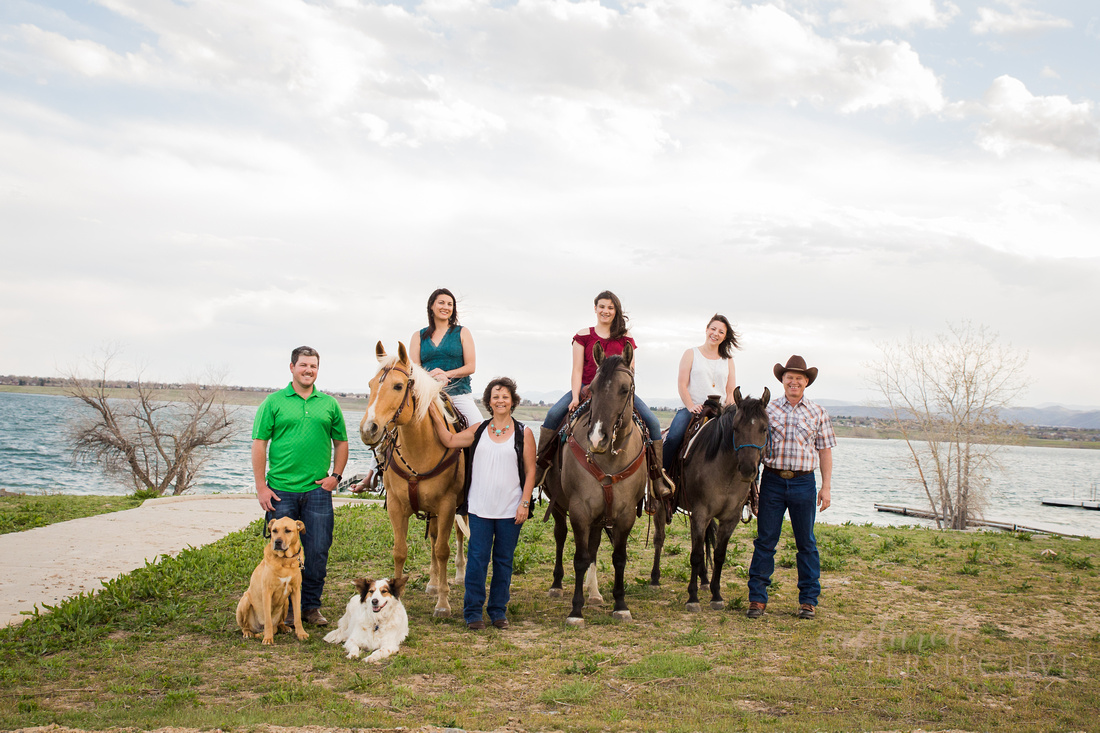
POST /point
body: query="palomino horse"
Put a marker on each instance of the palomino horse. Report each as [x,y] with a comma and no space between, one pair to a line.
[422,477]
[599,479]
[721,463]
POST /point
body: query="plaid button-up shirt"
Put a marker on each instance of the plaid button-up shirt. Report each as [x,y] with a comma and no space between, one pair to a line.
[798,432]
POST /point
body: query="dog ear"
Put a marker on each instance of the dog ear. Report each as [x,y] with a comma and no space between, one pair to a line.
[300,525]
[363,586]
[269,523]
[398,585]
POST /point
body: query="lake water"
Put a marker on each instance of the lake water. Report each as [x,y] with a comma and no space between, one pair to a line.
[34,457]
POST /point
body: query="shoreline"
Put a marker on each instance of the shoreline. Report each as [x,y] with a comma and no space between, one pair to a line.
[528,413]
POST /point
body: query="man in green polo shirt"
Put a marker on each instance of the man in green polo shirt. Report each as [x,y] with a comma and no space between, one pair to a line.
[296,433]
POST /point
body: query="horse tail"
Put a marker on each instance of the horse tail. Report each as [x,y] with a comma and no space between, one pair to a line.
[710,540]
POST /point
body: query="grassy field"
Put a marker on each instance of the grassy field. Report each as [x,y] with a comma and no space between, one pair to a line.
[24,511]
[917,629]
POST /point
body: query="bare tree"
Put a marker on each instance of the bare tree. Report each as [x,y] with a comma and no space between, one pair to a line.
[159,444]
[947,396]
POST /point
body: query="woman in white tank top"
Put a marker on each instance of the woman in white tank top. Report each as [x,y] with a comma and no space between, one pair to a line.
[499,499]
[704,371]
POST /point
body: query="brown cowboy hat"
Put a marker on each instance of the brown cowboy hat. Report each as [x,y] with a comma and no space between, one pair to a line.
[795,364]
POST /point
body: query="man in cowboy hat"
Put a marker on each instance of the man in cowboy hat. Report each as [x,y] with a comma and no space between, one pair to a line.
[801,439]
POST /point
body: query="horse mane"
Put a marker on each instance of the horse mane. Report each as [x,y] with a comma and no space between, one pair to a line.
[425,389]
[609,365]
[712,440]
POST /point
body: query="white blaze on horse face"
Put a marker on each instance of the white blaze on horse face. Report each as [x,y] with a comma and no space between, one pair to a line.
[596,436]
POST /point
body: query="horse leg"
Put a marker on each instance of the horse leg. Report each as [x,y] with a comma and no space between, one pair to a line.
[659,521]
[591,582]
[441,554]
[581,561]
[432,588]
[561,531]
[725,530]
[618,559]
[462,531]
[399,521]
[699,526]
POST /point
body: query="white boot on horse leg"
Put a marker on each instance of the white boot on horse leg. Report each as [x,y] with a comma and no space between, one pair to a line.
[592,587]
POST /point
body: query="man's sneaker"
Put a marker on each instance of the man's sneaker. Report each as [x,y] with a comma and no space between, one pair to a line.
[805,611]
[756,609]
[313,616]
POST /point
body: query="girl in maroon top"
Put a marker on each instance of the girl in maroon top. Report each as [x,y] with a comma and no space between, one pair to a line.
[612,334]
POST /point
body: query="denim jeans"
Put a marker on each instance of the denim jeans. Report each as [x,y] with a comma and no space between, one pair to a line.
[675,436]
[314,509]
[495,538]
[557,413]
[798,497]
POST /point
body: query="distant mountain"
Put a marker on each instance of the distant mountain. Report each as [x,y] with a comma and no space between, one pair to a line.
[1054,416]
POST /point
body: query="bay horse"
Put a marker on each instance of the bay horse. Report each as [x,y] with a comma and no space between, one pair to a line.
[598,480]
[421,476]
[722,462]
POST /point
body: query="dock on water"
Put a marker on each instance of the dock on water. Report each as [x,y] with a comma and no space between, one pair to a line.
[929,514]
[1093,504]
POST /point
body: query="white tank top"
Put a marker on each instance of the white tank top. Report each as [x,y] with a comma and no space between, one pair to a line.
[494,481]
[707,377]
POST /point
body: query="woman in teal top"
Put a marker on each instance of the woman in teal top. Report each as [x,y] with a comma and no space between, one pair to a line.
[446,351]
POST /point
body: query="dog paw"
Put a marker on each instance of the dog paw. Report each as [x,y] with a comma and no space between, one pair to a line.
[354,654]
[302,635]
[269,641]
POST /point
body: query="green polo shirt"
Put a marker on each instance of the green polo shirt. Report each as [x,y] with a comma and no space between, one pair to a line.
[300,434]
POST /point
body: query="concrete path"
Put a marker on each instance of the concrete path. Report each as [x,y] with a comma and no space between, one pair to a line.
[49,564]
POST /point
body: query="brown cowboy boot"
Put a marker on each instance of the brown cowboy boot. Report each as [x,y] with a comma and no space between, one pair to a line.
[660,481]
[543,460]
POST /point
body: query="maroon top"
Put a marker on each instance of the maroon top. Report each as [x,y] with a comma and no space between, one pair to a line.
[611,347]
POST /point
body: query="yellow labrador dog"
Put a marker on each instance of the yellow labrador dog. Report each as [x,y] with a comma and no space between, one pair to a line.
[275,582]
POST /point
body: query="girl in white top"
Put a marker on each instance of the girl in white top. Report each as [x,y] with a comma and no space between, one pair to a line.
[704,371]
[499,499]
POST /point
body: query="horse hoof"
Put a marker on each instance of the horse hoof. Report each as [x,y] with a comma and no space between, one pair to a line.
[576,623]
[717,605]
[554,592]
[694,608]
[654,584]
[594,601]
[431,590]
[622,616]
[441,613]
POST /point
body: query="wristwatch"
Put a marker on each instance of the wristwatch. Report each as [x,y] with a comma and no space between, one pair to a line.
[337,476]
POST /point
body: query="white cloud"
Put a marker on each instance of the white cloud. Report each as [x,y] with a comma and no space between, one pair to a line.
[1049,73]
[869,14]
[1019,20]
[1017,118]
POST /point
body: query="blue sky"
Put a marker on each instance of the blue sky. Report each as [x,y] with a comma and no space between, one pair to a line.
[210,184]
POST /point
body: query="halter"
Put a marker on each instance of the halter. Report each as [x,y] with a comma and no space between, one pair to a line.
[760,460]
[628,410]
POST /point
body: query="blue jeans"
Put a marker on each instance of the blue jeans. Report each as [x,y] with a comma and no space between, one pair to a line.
[798,497]
[557,413]
[496,538]
[314,509]
[675,436]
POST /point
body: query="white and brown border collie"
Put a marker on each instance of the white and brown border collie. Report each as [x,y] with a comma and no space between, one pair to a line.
[375,619]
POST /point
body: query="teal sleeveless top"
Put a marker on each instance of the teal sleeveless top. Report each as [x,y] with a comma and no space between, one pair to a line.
[446,356]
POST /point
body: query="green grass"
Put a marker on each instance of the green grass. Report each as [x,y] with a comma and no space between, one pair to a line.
[27,511]
[903,640]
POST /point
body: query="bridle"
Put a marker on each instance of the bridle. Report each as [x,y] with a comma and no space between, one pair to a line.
[751,503]
[627,410]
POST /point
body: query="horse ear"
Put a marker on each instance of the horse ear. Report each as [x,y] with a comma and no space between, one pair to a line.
[380,351]
[597,353]
[628,355]
[765,397]
[737,396]
[402,354]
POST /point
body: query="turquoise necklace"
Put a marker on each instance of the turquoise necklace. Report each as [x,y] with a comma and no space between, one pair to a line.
[501,431]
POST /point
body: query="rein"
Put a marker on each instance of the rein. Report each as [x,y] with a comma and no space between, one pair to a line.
[753,499]
[391,450]
[584,457]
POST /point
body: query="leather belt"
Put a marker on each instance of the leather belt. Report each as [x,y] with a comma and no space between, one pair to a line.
[784,474]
